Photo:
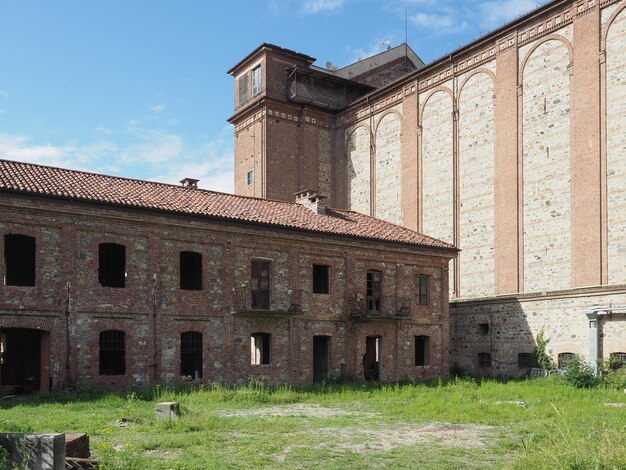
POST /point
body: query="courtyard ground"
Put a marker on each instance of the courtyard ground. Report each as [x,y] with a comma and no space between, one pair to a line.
[457,423]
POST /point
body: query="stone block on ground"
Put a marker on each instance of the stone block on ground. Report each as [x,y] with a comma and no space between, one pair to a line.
[168,410]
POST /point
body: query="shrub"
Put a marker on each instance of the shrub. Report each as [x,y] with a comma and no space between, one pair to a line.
[541,357]
[580,374]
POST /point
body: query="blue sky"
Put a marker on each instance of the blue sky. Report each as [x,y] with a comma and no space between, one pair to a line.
[139,88]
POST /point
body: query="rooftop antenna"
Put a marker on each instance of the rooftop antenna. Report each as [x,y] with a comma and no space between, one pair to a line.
[406,37]
[330,66]
[382,43]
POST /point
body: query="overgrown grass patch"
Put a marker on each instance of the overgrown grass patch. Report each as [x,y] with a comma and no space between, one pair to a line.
[456,423]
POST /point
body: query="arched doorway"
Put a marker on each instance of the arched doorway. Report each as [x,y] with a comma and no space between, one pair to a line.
[24,360]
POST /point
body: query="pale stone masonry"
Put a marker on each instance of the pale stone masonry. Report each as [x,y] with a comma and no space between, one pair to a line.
[513,149]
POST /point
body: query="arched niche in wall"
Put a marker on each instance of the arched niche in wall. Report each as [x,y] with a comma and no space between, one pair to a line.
[358,169]
[388,169]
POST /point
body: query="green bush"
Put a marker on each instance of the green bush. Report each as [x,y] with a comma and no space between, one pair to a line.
[580,374]
[541,357]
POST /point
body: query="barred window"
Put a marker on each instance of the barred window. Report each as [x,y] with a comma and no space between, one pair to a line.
[112,353]
[484,360]
[191,354]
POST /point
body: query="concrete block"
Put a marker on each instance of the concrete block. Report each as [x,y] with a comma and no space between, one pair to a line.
[35,451]
[168,410]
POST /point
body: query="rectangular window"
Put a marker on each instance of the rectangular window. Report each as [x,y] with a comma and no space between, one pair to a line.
[260,349]
[422,350]
[261,284]
[250,177]
[256,80]
[484,360]
[422,290]
[524,360]
[321,279]
[191,354]
[564,359]
[112,353]
[19,260]
[243,88]
[374,289]
[190,270]
[112,265]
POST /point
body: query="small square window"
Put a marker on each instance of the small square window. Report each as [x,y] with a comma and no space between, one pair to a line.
[484,360]
[524,360]
[564,359]
[321,279]
[422,290]
[250,177]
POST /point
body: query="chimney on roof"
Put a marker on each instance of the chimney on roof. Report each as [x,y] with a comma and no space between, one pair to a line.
[189,182]
[312,200]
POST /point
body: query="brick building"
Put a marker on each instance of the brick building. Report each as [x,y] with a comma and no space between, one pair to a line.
[117,282]
[511,148]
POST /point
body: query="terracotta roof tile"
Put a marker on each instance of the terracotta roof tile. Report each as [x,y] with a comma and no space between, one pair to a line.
[28,178]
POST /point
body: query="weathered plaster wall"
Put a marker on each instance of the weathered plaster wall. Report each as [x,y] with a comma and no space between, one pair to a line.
[546,167]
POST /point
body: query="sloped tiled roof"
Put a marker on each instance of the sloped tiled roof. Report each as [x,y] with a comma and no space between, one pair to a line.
[41,180]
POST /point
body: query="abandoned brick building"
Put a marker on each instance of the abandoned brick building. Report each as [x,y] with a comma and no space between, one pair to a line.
[116,282]
[511,148]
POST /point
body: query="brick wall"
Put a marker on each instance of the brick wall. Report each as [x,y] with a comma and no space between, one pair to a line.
[153,311]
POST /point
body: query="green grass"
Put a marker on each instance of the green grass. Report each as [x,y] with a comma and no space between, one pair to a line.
[460,423]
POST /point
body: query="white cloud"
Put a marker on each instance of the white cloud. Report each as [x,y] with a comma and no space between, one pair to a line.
[439,23]
[154,146]
[157,108]
[313,7]
[494,14]
[151,154]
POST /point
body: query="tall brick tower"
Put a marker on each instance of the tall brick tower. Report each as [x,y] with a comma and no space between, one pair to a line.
[285,111]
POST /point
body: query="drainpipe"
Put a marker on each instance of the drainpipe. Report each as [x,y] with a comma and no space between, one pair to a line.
[68,304]
[594,314]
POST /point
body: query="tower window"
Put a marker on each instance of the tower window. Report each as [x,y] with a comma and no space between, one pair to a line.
[190,270]
[19,260]
[422,350]
[260,349]
[250,177]
[191,354]
[256,80]
[321,279]
[243,89]
[112,265]
[112,353]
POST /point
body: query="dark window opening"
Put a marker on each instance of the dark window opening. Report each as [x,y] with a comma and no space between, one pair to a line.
[19,259]
[422,290]
[260,349]
[112,265]
[564,359]
[618,360]
[374,289]
[256,80]
[321,279]
[191,354]
[484,360]
[321,358]
[243,88]
[371,358]
[190,270]
[112,353]
[484,328]
[261,284]
[524,360]
[422,350]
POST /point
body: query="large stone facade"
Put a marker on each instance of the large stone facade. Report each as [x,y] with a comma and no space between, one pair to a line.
[513,149]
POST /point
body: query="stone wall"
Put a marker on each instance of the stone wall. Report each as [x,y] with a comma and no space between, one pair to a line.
[513,323]
[388,153]
[358,169]
[616,143]
[546,167]
[476,186]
